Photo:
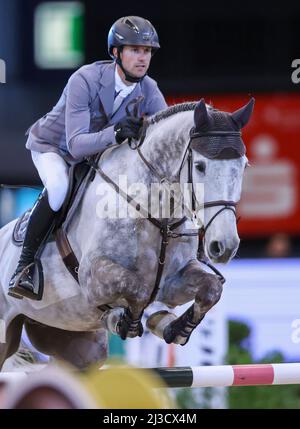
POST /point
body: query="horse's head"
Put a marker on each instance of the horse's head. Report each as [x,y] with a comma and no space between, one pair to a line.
[219,162]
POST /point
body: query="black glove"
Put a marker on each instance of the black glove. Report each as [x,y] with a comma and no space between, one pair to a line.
[128,128]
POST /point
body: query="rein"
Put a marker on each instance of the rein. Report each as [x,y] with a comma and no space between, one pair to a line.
[166,228]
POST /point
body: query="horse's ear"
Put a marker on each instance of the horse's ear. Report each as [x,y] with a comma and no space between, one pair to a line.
[201,117]
[242,116]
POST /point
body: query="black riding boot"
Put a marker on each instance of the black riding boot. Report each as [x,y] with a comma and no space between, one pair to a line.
[40,224]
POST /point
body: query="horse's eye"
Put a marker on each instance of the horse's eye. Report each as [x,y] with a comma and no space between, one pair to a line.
[201,167]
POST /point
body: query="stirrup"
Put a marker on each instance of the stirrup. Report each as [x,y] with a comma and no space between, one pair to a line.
[17,291]
[14,294]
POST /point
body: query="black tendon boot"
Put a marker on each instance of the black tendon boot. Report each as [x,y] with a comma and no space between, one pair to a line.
[40,224]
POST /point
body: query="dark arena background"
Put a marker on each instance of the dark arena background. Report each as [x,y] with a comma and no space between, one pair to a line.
[223,52]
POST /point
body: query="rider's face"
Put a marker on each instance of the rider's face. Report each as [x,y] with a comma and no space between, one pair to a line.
[136,59]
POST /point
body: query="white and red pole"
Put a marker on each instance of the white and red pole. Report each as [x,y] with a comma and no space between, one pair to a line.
[231,375]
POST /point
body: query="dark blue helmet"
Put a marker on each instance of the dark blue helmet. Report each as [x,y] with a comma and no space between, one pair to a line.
[132,30]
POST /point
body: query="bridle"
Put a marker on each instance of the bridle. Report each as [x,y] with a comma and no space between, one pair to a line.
[167,229]
[227,205]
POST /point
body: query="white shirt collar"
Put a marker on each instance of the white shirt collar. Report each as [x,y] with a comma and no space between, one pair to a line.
[120,85]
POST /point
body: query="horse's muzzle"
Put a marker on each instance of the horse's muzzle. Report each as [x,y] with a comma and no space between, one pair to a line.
[222,251]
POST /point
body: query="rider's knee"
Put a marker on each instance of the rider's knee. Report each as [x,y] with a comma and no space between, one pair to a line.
[57,190]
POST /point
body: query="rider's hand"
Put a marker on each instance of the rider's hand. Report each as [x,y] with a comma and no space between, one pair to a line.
[128,128]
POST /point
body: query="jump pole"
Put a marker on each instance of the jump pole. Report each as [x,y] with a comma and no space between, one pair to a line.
[213,376]
[231,375]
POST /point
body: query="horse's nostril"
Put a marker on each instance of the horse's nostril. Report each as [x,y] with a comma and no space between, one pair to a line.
[216,248]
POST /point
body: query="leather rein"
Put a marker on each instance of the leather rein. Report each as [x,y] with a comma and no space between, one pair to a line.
[165,227]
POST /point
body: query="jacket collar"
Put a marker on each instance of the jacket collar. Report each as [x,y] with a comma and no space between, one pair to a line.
[107,91]
[107,88]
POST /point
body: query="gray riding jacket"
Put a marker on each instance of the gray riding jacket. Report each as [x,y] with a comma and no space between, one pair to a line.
[81,123]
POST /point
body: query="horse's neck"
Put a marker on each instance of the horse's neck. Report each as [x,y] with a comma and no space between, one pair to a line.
[117,164]
[164,148]
[166,143]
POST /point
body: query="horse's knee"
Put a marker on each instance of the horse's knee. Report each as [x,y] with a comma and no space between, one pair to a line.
[188,282]
[207,287]
[210,291]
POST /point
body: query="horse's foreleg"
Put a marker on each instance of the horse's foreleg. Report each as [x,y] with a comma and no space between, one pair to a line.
[118,283]
[189,283]
[180,329]
[121,322]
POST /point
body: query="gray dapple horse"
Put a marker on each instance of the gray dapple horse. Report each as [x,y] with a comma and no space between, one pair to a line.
[119,257]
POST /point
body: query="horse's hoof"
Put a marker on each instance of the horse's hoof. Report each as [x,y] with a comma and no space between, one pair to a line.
[180,330]
[134,330]
[168,327]
[129,328]
[157,322]
[171,335]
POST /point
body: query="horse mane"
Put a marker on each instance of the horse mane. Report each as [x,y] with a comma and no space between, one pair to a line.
[177,108]
[172,110]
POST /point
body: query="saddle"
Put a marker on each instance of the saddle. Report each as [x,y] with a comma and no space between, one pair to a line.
[80,175]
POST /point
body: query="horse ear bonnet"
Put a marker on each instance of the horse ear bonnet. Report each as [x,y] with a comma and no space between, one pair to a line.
[207,125]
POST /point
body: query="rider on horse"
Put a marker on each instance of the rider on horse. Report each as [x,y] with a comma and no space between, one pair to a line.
[89,117]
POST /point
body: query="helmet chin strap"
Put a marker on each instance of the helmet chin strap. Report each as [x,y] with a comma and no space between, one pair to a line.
[128,76]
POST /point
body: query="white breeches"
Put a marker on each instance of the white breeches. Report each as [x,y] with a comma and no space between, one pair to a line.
[53,171]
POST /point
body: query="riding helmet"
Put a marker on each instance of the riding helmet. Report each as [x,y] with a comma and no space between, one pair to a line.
[132,30]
